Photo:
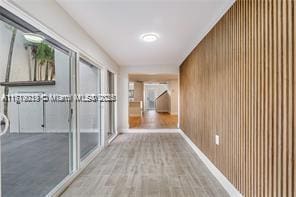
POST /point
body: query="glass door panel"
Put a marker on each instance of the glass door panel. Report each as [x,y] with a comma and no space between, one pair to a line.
[89,112]
[36,153]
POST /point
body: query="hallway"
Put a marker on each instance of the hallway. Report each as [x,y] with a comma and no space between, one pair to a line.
[148,98]
[146,165]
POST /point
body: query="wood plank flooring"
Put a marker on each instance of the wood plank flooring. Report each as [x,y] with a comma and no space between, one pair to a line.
[154,120]
[140,165]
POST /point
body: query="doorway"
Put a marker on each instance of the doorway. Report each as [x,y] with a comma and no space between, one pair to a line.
[153,101]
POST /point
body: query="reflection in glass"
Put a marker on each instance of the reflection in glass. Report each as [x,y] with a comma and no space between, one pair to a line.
[23,59]
[89,113]
[36,149]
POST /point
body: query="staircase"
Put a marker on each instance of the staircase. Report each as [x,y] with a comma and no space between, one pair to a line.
[162,102]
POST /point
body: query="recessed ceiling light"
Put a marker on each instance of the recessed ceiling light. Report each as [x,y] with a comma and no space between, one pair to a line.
[35,38]
[149,37]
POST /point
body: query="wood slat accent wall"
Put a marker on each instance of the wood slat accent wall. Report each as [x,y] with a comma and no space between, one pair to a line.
[239,83]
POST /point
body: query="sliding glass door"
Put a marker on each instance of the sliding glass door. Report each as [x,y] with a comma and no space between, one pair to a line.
[36,151]
[52,121]
[90,111]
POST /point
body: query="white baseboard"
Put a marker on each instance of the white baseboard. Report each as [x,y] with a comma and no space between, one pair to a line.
[232,191]
[149,131]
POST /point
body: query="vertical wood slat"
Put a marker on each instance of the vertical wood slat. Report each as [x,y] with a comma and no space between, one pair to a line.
[275,56]
[290,100]
[240,84]
[293,5]
[293,100]
[270,106]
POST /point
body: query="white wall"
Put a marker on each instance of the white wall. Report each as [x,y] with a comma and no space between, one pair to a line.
[123,87]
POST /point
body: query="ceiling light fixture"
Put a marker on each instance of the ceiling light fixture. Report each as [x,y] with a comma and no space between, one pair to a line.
[149,37]
[35,38]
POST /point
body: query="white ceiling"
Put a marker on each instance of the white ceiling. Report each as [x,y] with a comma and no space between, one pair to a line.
[116,25]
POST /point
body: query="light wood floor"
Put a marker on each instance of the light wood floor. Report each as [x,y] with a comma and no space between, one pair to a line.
[154,120]
[140,165]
